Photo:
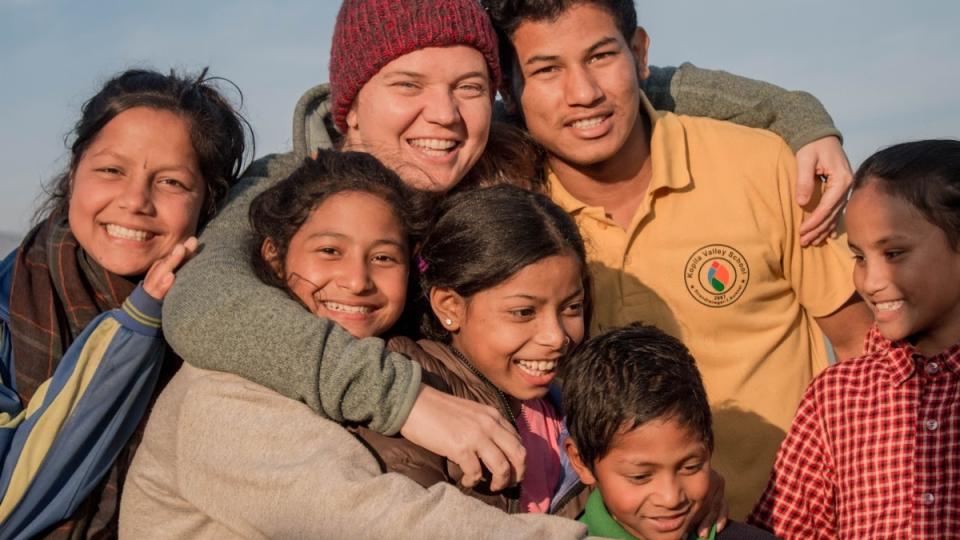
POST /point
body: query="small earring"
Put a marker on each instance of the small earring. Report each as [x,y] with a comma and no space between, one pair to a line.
[566,340]
[448,322]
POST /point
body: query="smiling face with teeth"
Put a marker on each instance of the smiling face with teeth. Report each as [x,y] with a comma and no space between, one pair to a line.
[137,191]
[516,333]
[905,269]
[580,95]
[426,115]
[348,262]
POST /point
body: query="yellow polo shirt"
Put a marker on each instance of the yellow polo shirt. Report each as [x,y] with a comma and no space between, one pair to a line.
[713,257]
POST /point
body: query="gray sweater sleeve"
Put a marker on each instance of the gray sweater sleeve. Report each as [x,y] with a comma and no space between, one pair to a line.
[796,116]
[220,316]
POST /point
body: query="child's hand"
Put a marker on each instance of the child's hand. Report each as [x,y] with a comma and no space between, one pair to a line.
[467,433]
[160,276]
[715,505]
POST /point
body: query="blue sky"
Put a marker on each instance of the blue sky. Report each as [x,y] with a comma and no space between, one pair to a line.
[887,70]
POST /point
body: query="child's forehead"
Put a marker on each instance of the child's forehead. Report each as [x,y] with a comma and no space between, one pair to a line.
[875,216]
[660,440]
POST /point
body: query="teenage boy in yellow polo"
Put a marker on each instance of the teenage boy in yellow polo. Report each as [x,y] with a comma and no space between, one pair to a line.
[690,223]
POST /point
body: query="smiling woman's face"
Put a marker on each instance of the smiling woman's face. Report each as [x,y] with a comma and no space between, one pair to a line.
[426,115]
[137,190]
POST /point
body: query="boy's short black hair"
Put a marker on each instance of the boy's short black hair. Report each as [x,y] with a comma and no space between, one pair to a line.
[625,378]
[507,15]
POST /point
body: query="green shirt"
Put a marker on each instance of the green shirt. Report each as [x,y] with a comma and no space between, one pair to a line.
[600,523]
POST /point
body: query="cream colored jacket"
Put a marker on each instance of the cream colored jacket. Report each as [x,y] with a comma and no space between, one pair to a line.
[223,457]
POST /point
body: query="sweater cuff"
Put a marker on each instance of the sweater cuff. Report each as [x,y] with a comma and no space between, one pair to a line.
[405,405]
[141,312]
[799,141]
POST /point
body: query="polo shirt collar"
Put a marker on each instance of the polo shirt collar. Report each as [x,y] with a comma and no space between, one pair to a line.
[668,144]
[560,195]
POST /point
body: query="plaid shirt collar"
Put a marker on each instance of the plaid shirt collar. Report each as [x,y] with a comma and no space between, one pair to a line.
[903,358]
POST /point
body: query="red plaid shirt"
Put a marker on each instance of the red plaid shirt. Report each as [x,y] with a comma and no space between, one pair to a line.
[874,451]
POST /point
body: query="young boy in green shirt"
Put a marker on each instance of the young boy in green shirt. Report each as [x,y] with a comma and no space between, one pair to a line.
[640,433]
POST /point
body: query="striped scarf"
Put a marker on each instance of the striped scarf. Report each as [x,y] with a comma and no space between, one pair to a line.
[58,289]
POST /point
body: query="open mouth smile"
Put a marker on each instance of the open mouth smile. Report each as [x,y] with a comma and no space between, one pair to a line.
[434,147]
[587,123]
[124,233]
[347,308]
[539,368]
[889,306]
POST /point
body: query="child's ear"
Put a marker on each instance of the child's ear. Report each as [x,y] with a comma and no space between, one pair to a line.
[582,470]
[448,306]
[268,250]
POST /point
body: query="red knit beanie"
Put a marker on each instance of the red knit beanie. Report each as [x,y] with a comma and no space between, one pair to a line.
[372,33]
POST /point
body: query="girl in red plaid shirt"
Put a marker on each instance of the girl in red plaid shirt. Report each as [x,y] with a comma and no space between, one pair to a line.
[874,451]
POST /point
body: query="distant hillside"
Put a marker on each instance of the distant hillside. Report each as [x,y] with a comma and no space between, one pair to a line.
[8,242]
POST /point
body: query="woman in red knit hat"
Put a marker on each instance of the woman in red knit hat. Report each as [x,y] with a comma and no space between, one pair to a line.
[413,83]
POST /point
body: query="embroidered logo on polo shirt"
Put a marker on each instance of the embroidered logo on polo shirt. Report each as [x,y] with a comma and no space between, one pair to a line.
[716,275]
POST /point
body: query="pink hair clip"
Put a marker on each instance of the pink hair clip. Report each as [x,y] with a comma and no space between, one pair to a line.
[422,264]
